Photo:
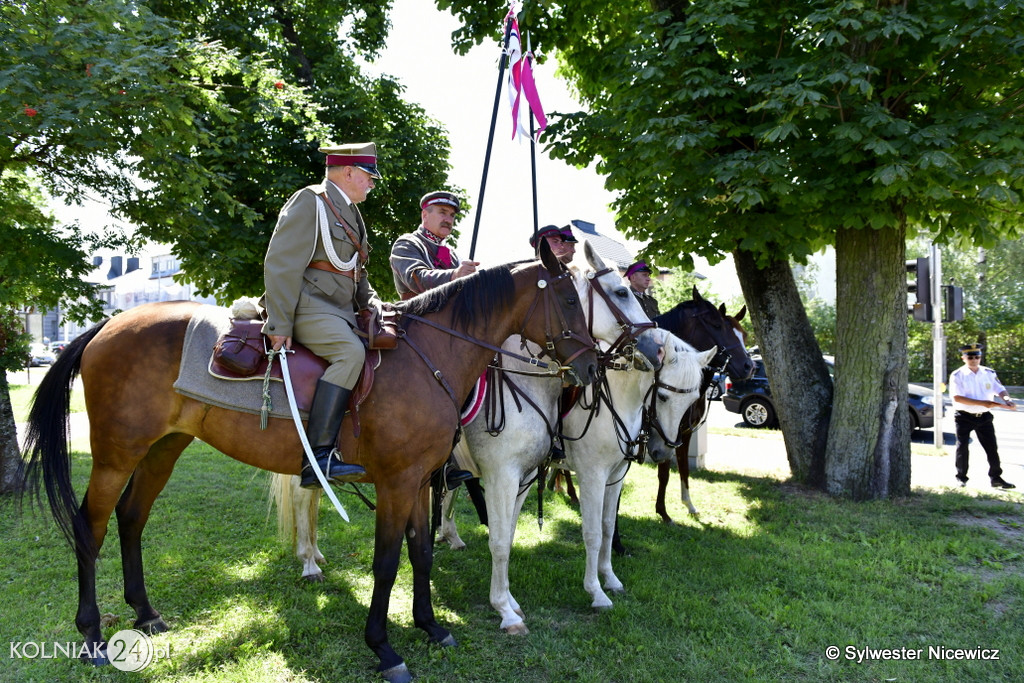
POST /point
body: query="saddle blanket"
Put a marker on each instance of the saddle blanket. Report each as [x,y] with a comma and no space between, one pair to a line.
[208,323]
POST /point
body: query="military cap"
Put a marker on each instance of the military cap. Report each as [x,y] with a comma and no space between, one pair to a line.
[971,349]
[567,235]
[546,231]
[441,197]
[359,154]
[638,267]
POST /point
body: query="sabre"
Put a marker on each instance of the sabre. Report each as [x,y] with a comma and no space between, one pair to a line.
[302,433]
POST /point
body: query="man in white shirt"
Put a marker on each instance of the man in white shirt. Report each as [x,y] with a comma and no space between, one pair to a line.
[972,389]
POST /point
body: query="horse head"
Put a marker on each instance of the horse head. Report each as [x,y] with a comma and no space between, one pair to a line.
[562,306]
[676,387]
[617,321]
[703,325]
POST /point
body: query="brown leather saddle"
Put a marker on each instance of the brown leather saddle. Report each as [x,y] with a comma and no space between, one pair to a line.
[240,354]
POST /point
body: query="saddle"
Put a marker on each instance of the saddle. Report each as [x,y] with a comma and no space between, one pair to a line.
[241,354]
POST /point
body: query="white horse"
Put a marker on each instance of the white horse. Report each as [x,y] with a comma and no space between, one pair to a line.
[614,316]
[507,461]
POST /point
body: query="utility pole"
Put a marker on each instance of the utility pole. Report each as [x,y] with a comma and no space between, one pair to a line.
[938,345]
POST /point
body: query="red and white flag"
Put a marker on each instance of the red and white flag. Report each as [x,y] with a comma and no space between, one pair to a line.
[520,84]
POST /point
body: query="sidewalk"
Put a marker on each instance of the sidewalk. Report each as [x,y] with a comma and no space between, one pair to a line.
[765,456]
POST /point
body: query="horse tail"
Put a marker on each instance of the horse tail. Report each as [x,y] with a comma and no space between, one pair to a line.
[280,495]
[46,442]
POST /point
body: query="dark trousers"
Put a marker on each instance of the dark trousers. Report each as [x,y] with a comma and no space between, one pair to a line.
[982,426]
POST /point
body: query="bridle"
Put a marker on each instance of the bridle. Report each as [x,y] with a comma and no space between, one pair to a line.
[651,421]
[625,343]
[545,291]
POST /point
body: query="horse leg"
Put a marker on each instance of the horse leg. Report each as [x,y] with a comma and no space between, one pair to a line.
[133,510]
[502,510]
[570,489]
[609,525]
[664,474]
[421,557]
[616,537]
[306,511]
[97,504]
[592,502]
[395,517]
[683,461]
[449,532]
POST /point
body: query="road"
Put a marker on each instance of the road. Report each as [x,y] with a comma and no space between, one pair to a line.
[768,455]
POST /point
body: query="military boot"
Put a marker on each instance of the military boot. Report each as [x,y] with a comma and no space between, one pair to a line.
[329,404]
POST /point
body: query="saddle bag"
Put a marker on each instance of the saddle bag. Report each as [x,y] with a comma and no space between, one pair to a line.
[242,348]
[379,327]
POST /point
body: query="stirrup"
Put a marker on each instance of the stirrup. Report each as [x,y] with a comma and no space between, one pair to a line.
[333,467]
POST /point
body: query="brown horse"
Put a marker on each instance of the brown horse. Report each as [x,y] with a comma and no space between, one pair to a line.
[139,426]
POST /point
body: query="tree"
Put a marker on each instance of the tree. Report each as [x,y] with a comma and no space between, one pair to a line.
[772,129]
[179,115]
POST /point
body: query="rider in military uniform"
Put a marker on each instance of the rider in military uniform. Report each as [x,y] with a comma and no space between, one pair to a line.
[420,261]
[561,240]
[315,279]
[639,276]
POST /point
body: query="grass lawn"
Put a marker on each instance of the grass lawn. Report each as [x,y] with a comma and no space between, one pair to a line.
[755,589]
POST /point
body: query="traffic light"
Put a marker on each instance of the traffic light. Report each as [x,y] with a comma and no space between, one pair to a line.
[921,288]
[953,298]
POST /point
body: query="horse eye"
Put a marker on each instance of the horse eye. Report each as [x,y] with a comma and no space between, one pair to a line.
[662,397]
[621,293]
[571,301]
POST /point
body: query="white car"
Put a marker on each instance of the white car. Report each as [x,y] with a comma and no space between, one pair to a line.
[40,355]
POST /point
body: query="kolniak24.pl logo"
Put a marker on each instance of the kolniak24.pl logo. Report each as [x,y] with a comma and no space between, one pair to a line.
[127,650]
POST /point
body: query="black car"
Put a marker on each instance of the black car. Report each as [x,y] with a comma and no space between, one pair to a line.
[752,399]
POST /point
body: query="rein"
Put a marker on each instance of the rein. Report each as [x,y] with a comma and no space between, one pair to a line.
[650,418]
[625,344]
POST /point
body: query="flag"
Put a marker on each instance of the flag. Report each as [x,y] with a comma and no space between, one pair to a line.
[520,83]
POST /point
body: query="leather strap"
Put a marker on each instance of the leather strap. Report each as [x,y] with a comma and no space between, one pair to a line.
[326,265]
[363,255]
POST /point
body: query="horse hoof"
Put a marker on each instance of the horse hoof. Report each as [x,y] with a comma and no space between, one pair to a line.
[153,626]
[602,608]
[397,674]
[621,590]
[447,641]
[315,578]
[95,655]
[517,629]
[669,521]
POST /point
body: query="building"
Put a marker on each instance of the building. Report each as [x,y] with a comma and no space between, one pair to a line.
[124,283]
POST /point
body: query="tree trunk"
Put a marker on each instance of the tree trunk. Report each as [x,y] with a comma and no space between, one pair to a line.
[12,470]
[801,386]
[868,454]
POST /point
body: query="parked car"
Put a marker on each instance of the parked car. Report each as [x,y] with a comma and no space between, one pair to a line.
[57,346]
[40,355]
[717,387]
[752,399]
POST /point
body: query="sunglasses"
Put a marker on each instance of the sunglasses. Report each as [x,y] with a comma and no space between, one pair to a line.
[972,355]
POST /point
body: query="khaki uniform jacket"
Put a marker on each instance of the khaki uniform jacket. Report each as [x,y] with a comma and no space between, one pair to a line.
[291,287]
[415,267]
[647,302]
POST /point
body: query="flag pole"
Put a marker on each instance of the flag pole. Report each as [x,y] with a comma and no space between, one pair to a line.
[533,160]
[490,136]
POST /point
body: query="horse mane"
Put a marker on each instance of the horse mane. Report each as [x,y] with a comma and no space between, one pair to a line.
[671,320]
[472,298]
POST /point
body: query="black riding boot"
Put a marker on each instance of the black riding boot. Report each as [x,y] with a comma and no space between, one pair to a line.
[453,476]
[329,404]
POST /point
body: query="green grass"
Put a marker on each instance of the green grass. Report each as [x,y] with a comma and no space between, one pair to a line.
[23,394]
[756,589]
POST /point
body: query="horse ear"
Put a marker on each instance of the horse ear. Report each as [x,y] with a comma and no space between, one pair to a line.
[696,294]
[739,316]
[547,257]
[593,258]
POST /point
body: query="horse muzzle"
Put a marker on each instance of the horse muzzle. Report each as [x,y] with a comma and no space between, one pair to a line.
[648,353]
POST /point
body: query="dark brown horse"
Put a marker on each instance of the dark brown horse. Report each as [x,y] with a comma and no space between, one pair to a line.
[701,324]
[139,426]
